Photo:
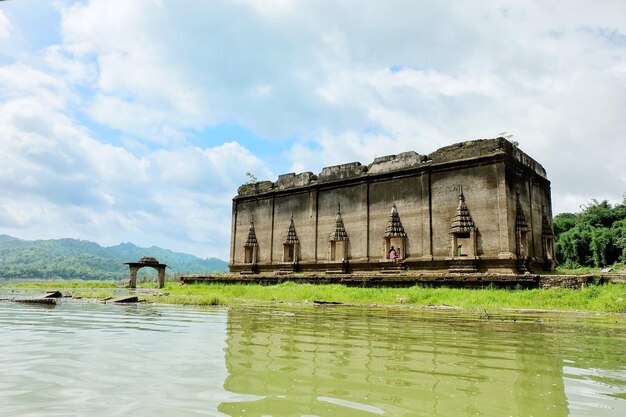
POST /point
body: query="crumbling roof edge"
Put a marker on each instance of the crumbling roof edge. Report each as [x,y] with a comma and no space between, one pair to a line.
[450,154]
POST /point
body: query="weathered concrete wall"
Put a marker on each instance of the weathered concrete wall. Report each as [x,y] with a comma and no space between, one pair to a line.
[302,206]
[406,193]
[480,188]
[353,202]
[425,190]
[259,210]
[535,200]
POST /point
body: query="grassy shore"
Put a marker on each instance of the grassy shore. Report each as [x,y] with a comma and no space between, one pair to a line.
[601,298]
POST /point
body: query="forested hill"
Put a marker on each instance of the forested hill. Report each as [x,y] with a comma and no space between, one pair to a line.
[82,259]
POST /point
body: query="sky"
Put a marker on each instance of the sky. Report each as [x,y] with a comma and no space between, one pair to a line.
[136,121]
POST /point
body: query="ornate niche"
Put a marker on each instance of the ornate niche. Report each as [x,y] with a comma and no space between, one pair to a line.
[338,241]
[291,245]
[394,236]
[547,241]
[521,236]
[251,247]
[463,249]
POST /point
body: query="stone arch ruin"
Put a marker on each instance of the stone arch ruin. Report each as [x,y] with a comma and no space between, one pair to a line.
[147,261]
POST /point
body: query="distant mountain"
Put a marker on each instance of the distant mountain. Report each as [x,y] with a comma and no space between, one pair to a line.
[82,259]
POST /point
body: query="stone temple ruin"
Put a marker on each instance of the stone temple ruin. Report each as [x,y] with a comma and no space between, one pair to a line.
[477,206]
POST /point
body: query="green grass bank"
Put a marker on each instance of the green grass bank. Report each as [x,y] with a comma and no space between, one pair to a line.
[598,298]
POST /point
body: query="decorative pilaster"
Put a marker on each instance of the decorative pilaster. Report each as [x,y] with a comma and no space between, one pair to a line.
[251,247]
[521,239]
[462,221]
[292,236]
[340,231]
[338,241]
[291,244]
[520,218]
[394,226]
[463,249]
[394,236]
[547,241]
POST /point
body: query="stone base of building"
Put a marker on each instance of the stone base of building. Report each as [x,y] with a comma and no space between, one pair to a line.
[459,265]
[408,279]
[463,265]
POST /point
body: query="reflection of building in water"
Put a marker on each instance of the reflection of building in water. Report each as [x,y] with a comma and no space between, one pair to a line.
[351,363]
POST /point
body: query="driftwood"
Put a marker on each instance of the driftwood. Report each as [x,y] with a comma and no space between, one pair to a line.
[45,301]
[127,299]
[333,303]
[52,294]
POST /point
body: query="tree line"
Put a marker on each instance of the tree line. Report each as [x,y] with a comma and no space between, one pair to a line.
[595,237]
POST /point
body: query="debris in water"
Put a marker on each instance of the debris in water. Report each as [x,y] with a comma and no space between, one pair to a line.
[128,299]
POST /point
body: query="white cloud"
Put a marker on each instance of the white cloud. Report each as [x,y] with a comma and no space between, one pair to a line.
[63,62]
[139,89]
[23,82]
[5,26]
[77,186]
[57,180]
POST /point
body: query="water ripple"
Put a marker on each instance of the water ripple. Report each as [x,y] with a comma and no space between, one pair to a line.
[82,359]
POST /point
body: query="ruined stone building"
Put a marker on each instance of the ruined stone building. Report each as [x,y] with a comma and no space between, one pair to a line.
[477,206]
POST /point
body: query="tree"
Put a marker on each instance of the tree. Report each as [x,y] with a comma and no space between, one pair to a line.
[562,223]
[594,237]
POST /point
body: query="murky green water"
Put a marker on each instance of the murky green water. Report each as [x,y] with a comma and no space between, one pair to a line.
[142,360]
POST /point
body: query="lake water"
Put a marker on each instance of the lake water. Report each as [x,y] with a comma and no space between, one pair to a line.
[89,359]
